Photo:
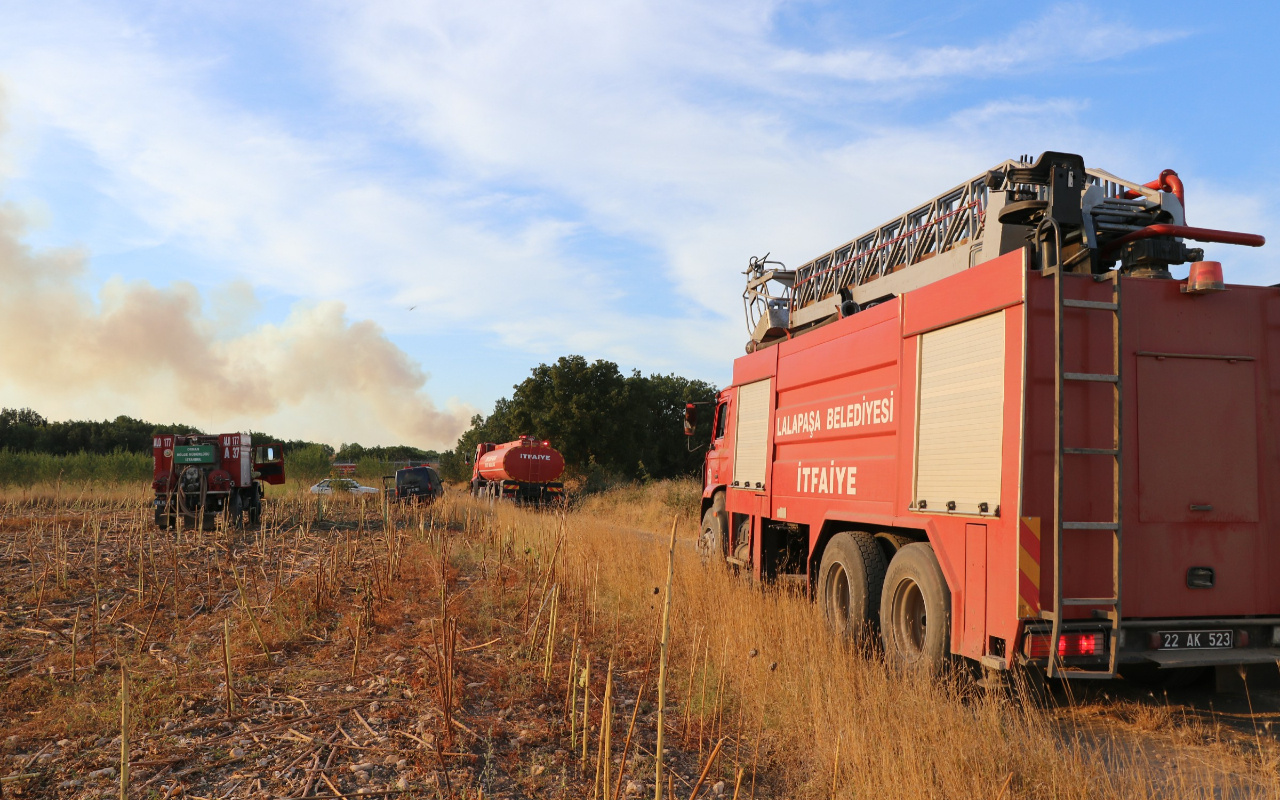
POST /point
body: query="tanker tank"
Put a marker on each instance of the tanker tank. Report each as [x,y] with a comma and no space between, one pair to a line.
[525,470]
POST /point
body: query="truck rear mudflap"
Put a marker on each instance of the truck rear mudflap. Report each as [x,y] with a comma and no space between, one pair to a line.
[1168,644]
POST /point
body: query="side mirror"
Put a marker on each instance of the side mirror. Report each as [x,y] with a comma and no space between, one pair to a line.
[690,418]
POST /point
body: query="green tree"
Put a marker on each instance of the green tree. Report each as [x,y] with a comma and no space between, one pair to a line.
[308,463]
[597,417]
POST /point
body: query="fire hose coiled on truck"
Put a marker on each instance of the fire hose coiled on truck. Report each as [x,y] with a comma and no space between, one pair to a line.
[182,507]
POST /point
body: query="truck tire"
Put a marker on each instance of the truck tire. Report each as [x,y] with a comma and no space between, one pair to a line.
[714,538]
[849,581]
[915,611]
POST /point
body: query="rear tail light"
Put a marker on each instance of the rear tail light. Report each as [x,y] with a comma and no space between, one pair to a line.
[1070,645]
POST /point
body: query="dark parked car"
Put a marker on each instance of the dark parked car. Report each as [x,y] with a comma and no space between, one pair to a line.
[414,484]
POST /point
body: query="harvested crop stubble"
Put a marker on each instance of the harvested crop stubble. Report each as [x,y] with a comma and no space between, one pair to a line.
[344,646]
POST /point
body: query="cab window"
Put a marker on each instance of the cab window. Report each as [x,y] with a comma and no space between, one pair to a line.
[722,412]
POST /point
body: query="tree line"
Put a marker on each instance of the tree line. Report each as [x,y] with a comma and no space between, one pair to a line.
[601,420]
[605,423]
[23,430]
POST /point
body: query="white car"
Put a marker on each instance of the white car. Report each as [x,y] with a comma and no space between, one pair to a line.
[331,485]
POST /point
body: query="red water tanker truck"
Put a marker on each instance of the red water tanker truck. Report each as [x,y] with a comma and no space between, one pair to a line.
[525,470]
[997,427]
[205,475]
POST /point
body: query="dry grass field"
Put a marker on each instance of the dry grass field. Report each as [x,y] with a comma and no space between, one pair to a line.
[466,650]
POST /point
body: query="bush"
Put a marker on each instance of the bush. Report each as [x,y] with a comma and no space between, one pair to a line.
[309,463]
[119,466]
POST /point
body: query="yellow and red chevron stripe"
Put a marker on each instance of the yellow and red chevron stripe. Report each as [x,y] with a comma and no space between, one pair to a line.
[1029,567]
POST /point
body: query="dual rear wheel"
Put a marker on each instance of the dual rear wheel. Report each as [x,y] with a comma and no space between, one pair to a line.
[905,598]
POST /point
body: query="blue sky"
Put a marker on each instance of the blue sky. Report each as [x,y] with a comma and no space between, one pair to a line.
[284,181]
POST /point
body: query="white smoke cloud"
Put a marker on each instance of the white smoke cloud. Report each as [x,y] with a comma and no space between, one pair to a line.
[316,375]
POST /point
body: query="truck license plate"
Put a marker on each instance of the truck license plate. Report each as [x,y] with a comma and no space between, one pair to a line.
[1196,640]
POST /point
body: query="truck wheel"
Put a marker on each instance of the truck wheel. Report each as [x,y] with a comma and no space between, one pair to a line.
[235,510]
[849,581]
[915,611]
[713,540]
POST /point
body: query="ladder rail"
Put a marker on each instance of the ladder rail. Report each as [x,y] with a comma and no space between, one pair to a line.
[1117,488]
[1056,633]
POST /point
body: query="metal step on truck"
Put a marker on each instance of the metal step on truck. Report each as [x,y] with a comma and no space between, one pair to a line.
[996,427]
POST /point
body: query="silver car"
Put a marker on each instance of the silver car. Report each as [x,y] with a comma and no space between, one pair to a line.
[331,485]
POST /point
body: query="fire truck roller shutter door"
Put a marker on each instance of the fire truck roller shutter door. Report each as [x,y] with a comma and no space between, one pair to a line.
[959,426]
[850,582]
[751,449]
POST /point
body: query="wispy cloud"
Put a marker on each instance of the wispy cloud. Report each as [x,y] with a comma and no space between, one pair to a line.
[547,178]
[1065,34]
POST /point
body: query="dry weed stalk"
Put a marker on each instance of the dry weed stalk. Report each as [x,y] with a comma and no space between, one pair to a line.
[551,635]
[604,753]
[445,647]
[124,730]
[355,648]
[571,690]
[706,769]
[662,660]
[686,727]
[226,665]
[702,702]
[631,726]
[586,708]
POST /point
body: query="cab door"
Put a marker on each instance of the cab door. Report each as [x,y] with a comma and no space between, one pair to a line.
[718,454]
[268,462]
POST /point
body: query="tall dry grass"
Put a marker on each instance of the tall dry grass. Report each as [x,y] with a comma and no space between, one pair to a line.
[827,718]
[644,506]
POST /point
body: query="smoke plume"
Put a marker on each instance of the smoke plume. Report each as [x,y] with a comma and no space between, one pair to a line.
[158,350]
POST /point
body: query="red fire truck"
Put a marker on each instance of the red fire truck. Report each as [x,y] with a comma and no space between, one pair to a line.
[197,475]
[997,427]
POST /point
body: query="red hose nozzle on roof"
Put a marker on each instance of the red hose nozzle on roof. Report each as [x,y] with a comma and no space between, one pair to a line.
[1167,182]
[1182,231]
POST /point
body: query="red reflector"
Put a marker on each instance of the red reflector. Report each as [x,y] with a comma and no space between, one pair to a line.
[1070,645]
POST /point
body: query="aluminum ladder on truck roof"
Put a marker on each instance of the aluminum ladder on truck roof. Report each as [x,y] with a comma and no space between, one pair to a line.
[976,221]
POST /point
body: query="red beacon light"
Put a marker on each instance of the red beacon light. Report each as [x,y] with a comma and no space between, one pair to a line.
[1205,277]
